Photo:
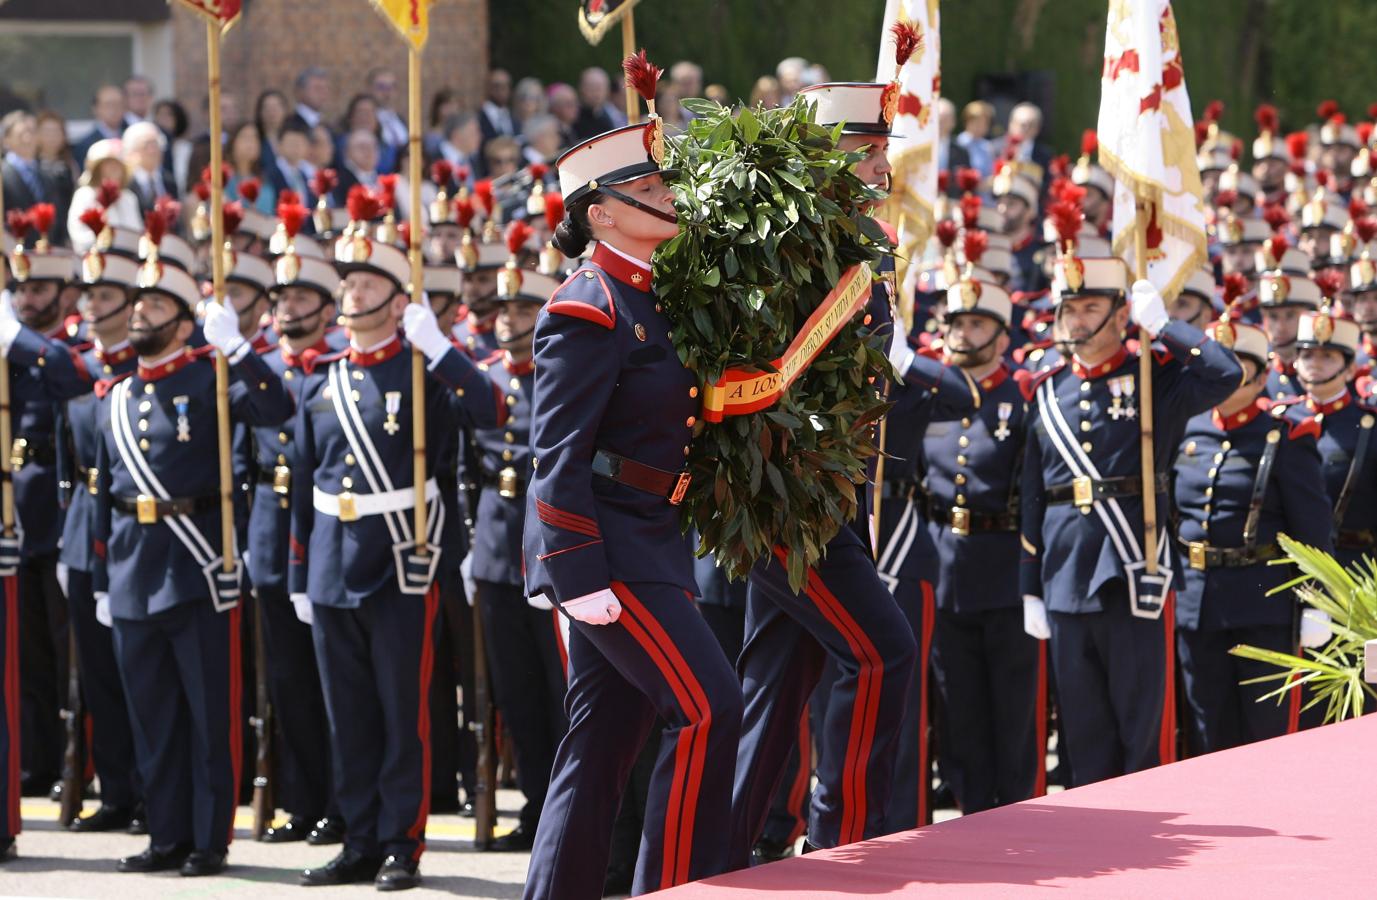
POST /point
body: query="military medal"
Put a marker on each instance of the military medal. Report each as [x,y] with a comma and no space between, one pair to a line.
[1116,408]
[1005,411]
[393,401]
[1131,410]
[183,423]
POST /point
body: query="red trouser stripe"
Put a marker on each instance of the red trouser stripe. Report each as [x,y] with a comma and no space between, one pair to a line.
[559,643]
[1040,726]
[691,751]
[236,700]
[929,615]
[11,600]
[418,828]
[798,792]
[1166,750]
[1293,701]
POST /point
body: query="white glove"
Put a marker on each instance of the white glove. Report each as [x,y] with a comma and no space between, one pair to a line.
[540,601]
[598,608]
[900,353]
[301,604]
[9,323]
[222,331]
[103,609]
[466,573]
[423,331]
[63,576]
[1148,309]
[1314,630]
[1035,618]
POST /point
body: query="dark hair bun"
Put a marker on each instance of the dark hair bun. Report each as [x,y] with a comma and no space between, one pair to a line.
[571,237]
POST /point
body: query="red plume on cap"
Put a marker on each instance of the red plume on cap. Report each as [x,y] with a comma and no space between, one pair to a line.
[1090,142]
[1323,178]
[1267,118]
[225,173]
[1213,110]
[232,213]
[974,245]
[41,216]
[1235,286]
[324,181]
[249,188]
[946,233]
[17,221]
[1366,227]
[483,192]
[518,233]
[1277,245]
[362,204]
[1058,187]
[1297,142]
[1328,110]
[539,171]
[108,194]
[169,209]
[288,197]
[202,191]
[1276,216]
[1236,151]
[93,217]
[906,41]
[1066,218]
[404,234]
[442,173]
[970,210]
[1059,166]
[1356,208]
[293,216]
[463,211]
[642,75]
[155,226]
[462,174]
[1330,282]
[554,210]
[943,180]
[1372,110]
[387,192]
[1364,130]
[967,179]
[1225,199]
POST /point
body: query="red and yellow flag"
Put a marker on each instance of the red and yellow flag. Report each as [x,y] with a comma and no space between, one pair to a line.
[411,18]
[225,11]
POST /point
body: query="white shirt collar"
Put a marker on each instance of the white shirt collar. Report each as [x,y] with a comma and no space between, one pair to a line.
[310,116]
[154,363]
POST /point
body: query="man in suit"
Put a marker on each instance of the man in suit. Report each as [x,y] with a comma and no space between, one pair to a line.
[312,91]
[24,182]
[382,84]
[497,120]
[143,154]
[1025,125]
[107,109]
[951,156]
[138,99]
[291,171]
[359,166]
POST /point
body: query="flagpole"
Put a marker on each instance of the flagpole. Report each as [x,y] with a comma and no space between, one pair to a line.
[6,429]
[633,106]
[217,270]
[418,370]
[1145,399]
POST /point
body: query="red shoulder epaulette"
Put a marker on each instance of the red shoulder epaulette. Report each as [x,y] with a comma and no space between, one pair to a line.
[582,309]
[492,358]
[890,231]
[103,386]
[1288,401]
[1309,425]
[83,346]
[309,364]
[264,351]
[1022,298]
[1029,382]
[205,352]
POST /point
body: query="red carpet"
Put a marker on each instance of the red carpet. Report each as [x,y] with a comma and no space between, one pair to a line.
[1293,817]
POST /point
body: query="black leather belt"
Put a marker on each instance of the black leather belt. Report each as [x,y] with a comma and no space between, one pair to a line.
[1356,540]
[90,478]
[151,510]
[280,477]
[670,485]
[964,521]
[1201,556]
[32,450]
[1084,491]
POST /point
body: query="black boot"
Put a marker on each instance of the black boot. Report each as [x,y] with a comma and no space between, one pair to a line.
[107,818]
[398,874]
[156,859]
[204,862]
[349,867]
[294,829]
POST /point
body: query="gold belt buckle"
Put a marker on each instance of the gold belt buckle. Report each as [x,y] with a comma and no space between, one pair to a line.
[282,480]
[17,454]
[506,483]
[1197,555]
[680,489]
[348,512]
[960,520]
[93,481]
[146,509]
[1083,491]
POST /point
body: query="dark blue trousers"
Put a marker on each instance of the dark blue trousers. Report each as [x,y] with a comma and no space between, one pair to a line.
[910,801]
[112,743]
[528,683]
[992,679]
[301,729]
[658,658]
[844,613]
[181,674]
[1224,712]
[375,667]
[1111,680]
[9,707]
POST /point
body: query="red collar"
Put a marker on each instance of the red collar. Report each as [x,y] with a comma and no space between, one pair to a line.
[621,268]
[1102,369]
[305,358]
[123,354]
[162,370]
[260,342]
[1280,365]
[373,357]
[1240,418]
[521,368]
[1023,244]
[995,378]
[1333,406]
[480,326]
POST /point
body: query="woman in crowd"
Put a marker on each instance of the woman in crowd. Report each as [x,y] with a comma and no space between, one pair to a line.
[104,164]
[245,158]
[362,115]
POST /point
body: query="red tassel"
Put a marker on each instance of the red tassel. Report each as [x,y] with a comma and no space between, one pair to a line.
[518,233]
[642,76]
[975,244]
[1267,118]
[554,210]
[293,216]
[232,214]
[906,41]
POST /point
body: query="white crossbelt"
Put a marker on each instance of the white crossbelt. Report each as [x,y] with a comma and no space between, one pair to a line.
[399,500]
